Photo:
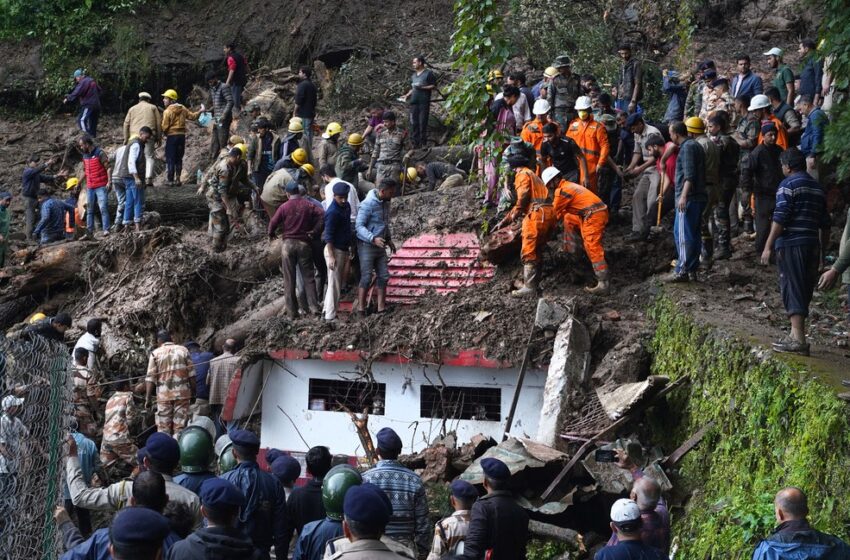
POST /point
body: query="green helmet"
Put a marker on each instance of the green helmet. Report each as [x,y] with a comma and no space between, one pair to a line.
[196,449]
[334,486]
[226,461]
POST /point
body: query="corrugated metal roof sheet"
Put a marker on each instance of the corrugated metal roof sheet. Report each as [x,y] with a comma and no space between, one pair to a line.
[440,262]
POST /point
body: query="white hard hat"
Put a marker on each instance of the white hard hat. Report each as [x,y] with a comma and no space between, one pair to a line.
[548,173]
[583,103]
[775,51]
[541,107]
[624,511]
[10,401]
[759,102]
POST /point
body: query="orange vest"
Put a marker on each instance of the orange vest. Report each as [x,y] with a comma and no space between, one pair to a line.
[571,198]
[532,133]
[781,135]
[592,139]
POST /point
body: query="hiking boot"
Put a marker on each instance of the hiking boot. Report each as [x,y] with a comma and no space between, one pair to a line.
[844,396]
[693,276]
[791,346]
[674,278]
[86,237]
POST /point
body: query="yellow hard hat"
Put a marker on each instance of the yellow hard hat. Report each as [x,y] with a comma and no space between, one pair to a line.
[299,156]
[36,318]
[550,72]
[494,74]
[695,125]
[333,129]
[490,89]
[412,175]
[170,94]
[356,139]
[242,148]
[71,183]
[308,169]
[296,125]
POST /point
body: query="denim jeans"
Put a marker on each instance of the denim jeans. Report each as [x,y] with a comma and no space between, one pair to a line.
[135,201]
[99,197]
[121,195]
[372,259]
[236,91]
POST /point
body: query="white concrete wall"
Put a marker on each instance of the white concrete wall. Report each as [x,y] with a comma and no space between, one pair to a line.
[287,385]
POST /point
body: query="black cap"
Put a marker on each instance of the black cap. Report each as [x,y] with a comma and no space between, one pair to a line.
[211,75]
[389,116]
[33,158]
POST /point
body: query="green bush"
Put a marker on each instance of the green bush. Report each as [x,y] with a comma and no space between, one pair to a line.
[774,427]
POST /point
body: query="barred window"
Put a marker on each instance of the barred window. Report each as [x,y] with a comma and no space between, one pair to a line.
[336,395]
[461,403]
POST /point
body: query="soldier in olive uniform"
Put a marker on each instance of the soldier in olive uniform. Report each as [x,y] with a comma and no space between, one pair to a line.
[389,149]
[563,91]
[225,191]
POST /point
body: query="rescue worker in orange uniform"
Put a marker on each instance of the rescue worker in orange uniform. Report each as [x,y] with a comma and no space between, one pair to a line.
[532,131]
[534,206]
[760,107]
[592,140]
[585,216]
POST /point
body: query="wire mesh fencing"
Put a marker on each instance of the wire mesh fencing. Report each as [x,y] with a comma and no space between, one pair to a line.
[36,407]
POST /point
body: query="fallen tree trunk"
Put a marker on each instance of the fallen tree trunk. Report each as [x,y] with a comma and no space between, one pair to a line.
[553,532]
[240,330]
[45,268]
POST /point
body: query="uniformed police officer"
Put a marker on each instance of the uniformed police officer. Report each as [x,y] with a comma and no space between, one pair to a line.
[136,533]
[497,523]
[148,490]
[286,469]
[196,454]
[161,454]
[389,149]
[366,512]
[263,517]
[220,539]
[316,534]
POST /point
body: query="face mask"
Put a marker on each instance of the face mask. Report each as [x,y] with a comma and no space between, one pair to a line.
[583,115]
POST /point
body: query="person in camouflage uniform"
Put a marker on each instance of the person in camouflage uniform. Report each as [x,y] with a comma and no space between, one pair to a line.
[563,91]
[746,135]
[389,150]
[451,531]
[171,372]
[86,393]
[226,189]
[120,415]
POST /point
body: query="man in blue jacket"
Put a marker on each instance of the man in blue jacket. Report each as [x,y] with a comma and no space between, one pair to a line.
[811,142]
[745,83]
[793,538]
[51,226]
[87,92]
[337,237]
[373,236]
[263,517]
[31,181]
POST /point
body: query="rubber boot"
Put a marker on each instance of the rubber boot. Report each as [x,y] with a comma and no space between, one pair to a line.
[531,280]
[602,286]
[748,225]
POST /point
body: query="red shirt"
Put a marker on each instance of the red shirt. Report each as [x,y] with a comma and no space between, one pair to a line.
[298,217]
[670,168]
[231,63]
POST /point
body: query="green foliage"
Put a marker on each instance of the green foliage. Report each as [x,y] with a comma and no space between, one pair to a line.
[685,27]
[72,34]
[548,550]
[835,31]
[479,45]
[773,428]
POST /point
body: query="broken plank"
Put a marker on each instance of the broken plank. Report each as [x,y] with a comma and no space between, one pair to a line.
[553,532]
[686,447]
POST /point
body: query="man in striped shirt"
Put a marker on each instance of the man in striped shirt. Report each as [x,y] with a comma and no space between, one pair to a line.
[409,522]
[799,231]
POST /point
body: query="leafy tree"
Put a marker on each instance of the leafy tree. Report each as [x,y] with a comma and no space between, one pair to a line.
[835,48]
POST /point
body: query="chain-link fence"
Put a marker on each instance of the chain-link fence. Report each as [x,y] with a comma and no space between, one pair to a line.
[36,409]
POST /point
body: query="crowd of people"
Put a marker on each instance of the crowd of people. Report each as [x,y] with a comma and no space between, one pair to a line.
[728,153]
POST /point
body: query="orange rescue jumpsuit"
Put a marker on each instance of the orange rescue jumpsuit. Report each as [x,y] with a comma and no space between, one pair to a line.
[584,215]
[592,140]
[532,132]
[534,206]
[781,135]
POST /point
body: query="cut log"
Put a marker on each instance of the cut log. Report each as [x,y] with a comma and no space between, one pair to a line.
[553,532]
[175,205]
[46,267]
